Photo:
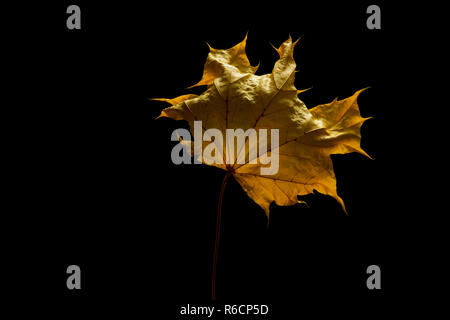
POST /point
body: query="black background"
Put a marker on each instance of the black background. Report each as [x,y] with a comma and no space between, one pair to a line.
[97,187]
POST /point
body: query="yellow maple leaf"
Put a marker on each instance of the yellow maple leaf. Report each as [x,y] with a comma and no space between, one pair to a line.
[236,98]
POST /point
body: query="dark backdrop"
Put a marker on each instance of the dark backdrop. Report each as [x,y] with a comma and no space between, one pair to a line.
[102,192]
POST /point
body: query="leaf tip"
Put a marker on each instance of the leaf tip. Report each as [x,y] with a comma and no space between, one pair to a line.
[245,38]
[200,83]
[211,49]
[289,38]
[303,202]
[158,99]
[341,202]
[276,49]
[296,41]
[303,90]
[358,92]
[365,154]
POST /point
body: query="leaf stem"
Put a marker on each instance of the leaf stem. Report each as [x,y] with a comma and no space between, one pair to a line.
[216,243]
